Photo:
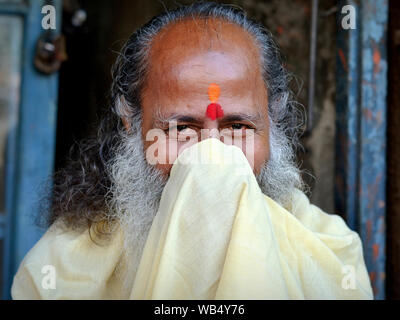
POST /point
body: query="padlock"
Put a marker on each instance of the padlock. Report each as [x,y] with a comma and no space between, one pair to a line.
[50,53]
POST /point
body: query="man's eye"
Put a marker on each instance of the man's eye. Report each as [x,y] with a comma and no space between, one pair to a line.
[181,127]
[239,126]
[178,128]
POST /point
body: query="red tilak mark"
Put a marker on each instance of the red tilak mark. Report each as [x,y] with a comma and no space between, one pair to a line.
[214,111]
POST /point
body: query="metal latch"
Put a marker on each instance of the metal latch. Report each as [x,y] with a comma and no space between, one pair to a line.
[50,53]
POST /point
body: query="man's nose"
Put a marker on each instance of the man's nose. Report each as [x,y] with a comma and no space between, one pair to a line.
[210,130]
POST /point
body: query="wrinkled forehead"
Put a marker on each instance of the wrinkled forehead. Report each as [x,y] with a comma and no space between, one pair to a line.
[195,52]
[187,36]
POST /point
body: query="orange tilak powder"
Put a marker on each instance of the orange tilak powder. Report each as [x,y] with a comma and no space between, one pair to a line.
[213,92]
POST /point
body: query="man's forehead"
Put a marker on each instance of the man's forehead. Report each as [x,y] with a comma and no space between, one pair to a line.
[216,46]
[189,55]
[200,34]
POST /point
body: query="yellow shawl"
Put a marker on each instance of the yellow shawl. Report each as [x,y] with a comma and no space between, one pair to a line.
[215,236]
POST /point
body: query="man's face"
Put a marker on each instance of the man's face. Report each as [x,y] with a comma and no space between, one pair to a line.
[184,60]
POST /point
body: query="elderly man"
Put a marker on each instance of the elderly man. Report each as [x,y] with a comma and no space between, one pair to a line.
[190,190]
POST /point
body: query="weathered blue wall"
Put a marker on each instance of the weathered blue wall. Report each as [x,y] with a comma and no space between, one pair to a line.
[360,186]
[32,143]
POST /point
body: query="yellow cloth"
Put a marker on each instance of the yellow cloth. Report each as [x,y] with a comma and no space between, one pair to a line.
[215,236]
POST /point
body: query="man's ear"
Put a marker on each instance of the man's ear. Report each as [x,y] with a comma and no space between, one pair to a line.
[126,124]
[123,109]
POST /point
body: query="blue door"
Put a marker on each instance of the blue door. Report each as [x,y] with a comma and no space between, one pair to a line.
[28,105]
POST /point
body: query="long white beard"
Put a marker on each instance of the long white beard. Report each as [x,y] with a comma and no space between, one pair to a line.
[135,193]
[137,186]
[279,176]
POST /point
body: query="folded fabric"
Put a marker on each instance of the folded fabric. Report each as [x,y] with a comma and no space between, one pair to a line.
[215,236]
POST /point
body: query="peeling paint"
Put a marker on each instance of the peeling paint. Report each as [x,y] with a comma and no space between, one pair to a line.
[361,109]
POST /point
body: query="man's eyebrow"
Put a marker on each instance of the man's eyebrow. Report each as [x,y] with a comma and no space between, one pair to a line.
[161,119]
[253,118]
